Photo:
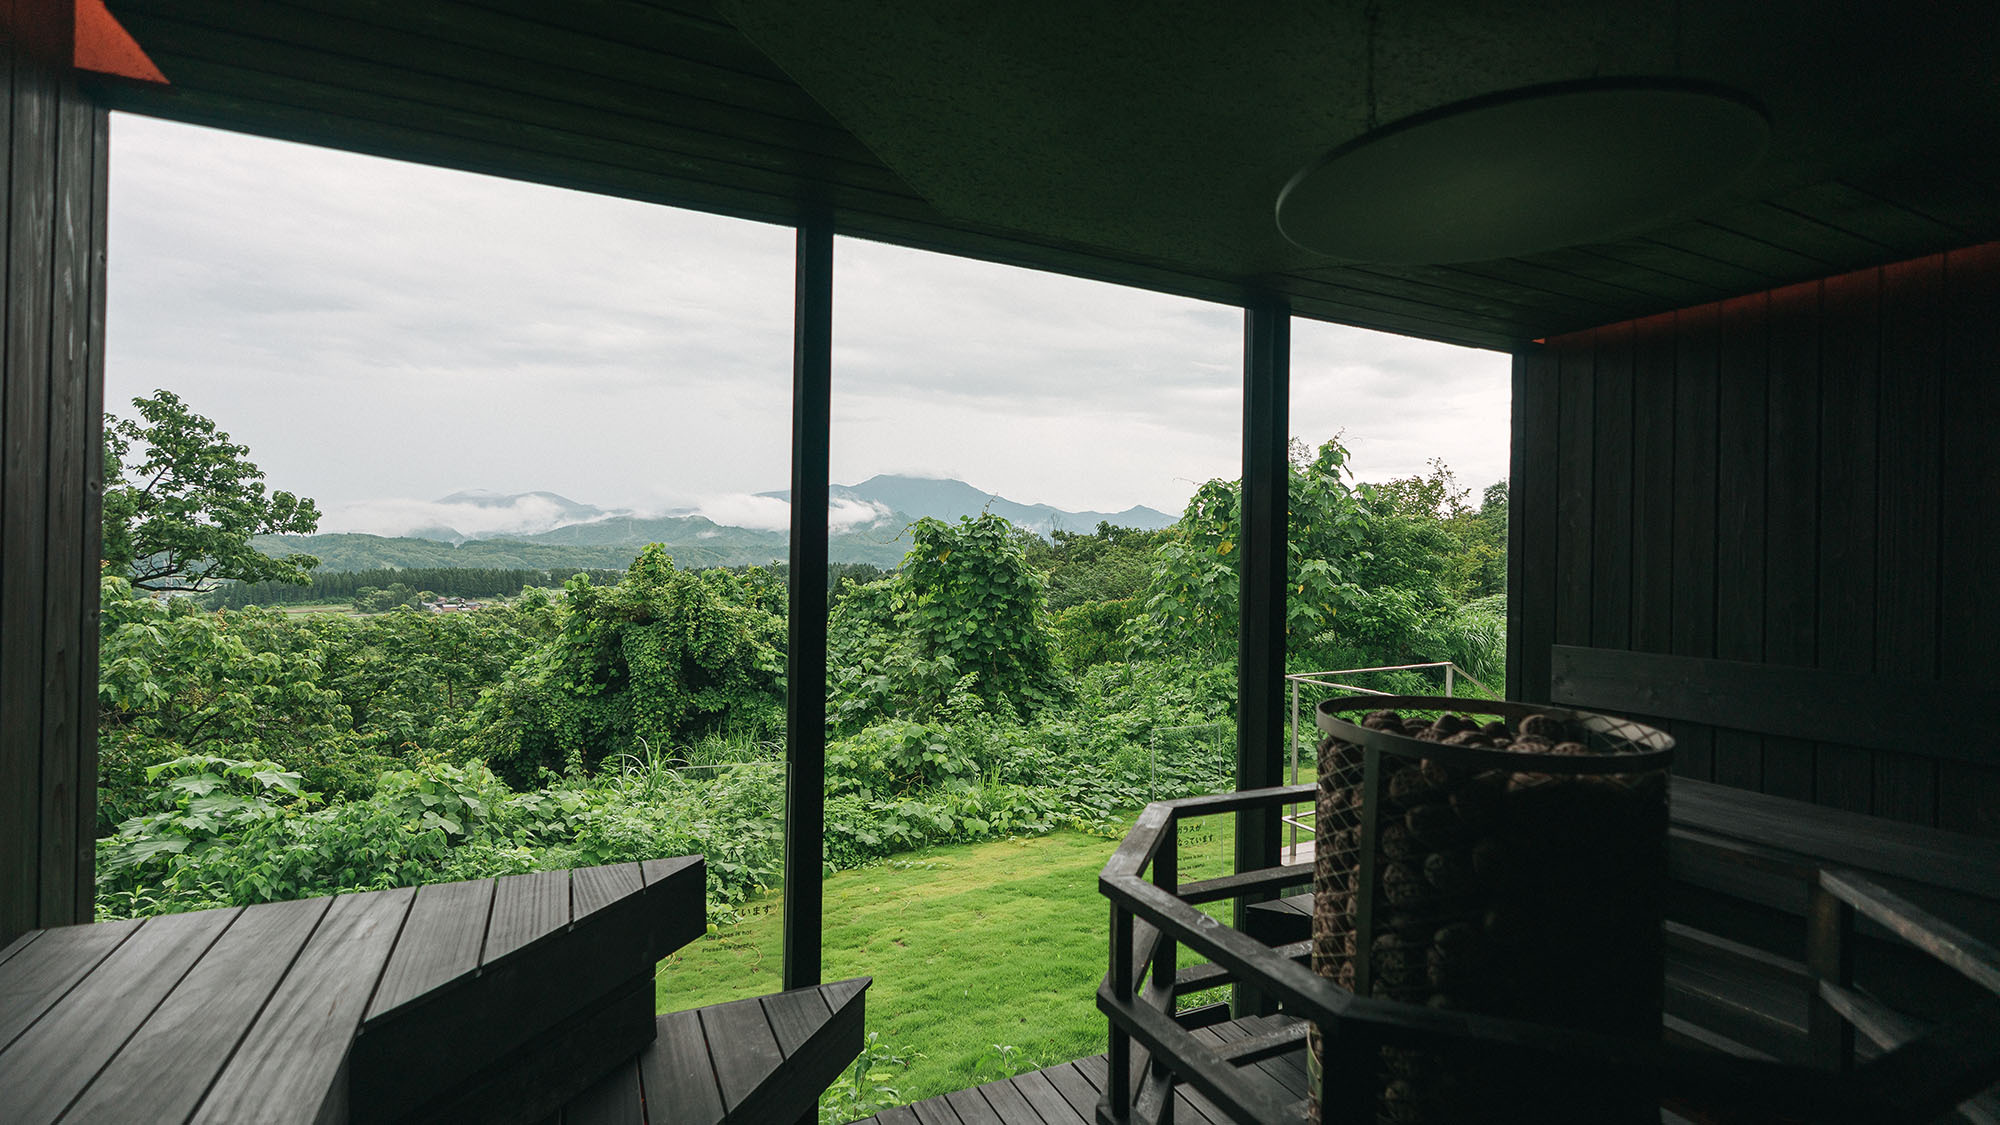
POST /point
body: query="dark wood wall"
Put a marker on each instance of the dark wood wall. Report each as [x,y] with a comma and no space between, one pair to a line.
[51,476]
[1773,520]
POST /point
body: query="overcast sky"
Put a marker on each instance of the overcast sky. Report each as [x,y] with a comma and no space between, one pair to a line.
[382,334]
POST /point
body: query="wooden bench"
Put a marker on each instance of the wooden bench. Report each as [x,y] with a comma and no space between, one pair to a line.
[1737,909]
[498,1000]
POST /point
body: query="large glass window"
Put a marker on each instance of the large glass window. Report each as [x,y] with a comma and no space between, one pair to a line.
[488,398]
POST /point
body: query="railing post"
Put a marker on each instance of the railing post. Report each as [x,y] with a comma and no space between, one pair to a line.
[1118,1086]
[1830,957]
[1294,778]
[1448,681]
[1166,876]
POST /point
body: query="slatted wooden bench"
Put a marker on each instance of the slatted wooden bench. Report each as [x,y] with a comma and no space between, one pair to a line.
[495,1000]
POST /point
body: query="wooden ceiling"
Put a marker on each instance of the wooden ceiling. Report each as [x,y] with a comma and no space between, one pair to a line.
[1149,152]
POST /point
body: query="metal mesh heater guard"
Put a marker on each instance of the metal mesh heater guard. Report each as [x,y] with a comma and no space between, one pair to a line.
[1491,857]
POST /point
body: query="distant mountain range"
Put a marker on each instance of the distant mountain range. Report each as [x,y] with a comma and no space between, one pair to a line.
[584,535]
[949,499]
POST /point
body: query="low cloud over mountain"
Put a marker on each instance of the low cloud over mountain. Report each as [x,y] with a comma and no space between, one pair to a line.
[877,501]
[475,514]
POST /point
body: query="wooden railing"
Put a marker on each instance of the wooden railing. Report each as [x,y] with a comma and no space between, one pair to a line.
[1921,1073]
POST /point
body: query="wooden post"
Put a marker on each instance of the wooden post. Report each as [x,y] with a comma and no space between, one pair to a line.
[1116,1108]
[1830,956]
[1260,636]
[805,652]
[1167,877]
[51,473]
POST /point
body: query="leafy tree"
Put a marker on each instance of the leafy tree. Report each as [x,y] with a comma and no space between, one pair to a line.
[181,502]
[1191,600]
[971,598]
[664,655]
[964,620]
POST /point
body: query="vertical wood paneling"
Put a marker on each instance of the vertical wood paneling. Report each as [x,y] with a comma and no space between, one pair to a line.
[1969,537]
[1693,474]
[1611,491]
[1652,444]
[1807,477]
[51,399]
[24,503]
[1791,545]
[63,670]
[93,521]
[1575,439]
[1743,369]
[18,889]
[1906,521]
[1531,528]
[1850,359]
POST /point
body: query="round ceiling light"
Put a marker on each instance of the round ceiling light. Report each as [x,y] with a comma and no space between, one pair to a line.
[1523,171]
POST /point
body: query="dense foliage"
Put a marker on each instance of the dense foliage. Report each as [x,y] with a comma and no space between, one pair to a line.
[996,683]
[323,587]
[664,656]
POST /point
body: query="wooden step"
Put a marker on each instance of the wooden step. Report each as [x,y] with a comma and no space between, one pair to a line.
[331,1009]
[765,1059]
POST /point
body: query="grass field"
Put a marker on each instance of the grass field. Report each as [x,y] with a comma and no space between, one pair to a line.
[986,957]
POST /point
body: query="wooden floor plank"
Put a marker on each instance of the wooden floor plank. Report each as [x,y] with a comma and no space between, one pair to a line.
[18,944]
[1009,1104]
[593,888]
[1035,1088]
[935,1111]
[441,940]
[34,979]
[614,1100]
[41,1073]
[170,1060]
[1076,1088]
[972,1108]
[901,1115]
[742,1047]
[525,907]
[795,1015]
[285,1066]
[675,1074]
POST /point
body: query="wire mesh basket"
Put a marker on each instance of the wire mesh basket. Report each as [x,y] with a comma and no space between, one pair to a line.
[1497,858]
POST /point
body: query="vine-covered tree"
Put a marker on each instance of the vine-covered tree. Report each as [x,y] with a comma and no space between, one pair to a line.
[663,656]
[181,502]
[973,600]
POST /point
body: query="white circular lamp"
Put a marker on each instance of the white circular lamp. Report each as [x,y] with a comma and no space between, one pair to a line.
[1524,171]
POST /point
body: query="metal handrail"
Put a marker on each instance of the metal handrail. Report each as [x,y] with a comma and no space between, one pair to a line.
[1153,915]
[1298,680]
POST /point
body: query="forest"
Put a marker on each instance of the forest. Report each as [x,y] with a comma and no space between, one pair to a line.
[995,683]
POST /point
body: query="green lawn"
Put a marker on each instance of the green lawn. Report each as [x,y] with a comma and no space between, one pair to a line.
[974,948]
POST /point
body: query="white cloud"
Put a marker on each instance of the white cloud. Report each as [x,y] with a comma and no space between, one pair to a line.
[521,515]
[768,513]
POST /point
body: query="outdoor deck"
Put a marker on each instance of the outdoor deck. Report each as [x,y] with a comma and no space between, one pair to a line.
[1068,1094]
[331,1009]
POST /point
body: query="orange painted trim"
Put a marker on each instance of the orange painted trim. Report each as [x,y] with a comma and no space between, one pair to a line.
[103,46]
